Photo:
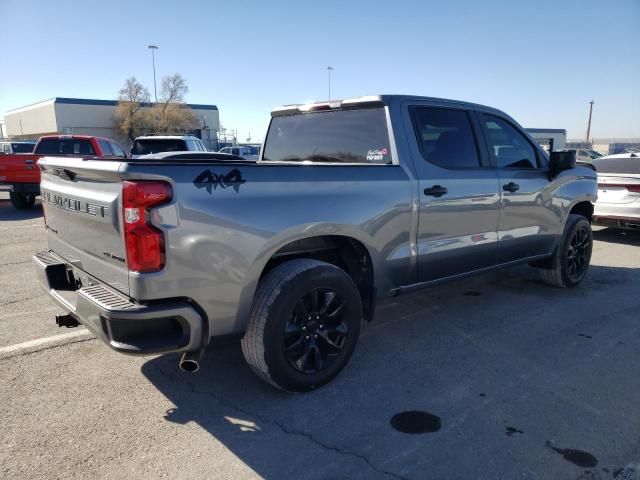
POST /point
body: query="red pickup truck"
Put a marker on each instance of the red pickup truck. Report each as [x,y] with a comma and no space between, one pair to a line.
[19,172]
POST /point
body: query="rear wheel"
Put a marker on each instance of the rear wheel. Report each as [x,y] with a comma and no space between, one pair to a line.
[304,326]
[22,201]
[569,264]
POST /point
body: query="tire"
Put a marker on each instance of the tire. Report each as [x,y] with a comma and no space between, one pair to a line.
[22,201]
[570,262]
[288,334]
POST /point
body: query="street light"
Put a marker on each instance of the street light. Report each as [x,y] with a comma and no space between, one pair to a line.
[329,69]
[153,49]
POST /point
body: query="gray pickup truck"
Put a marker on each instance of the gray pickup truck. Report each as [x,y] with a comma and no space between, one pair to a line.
[350,203]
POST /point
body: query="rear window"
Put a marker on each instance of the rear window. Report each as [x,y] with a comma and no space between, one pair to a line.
[630,165]
[145,147]
[345,136]
[22,147]
[65,146]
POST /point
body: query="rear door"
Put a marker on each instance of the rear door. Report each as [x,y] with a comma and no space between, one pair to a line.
[527,220]
[458,190]
[81,202]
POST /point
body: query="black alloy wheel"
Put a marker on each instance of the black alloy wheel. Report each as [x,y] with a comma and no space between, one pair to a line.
[315,333]
[578,253]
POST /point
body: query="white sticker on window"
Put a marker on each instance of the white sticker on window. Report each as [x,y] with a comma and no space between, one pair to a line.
[377,154]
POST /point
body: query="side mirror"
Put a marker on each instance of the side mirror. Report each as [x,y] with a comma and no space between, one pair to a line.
[559,161]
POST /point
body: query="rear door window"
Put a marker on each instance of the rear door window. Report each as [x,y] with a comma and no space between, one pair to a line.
[508,147]
[104,146]
[117,150]
[445,137]
[65,146]
[145,147]
[338,136]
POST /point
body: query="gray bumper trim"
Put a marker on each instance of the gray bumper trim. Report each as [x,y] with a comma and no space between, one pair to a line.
[126,326]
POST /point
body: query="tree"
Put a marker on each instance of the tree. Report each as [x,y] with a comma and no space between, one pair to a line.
[129,116]
[171,114]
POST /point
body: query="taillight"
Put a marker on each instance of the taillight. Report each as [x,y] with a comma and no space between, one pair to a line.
[144,242]
[634,187]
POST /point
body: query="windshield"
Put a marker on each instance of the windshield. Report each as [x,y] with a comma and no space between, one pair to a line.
[22,147]
[629,165]
[345,136]
[145,147]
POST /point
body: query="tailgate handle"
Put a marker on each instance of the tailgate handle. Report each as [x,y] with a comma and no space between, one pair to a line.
[64,173]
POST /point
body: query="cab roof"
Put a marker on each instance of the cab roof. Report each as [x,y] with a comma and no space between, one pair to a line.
[373,101]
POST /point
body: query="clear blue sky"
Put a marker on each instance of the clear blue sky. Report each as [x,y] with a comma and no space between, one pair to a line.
[539,60]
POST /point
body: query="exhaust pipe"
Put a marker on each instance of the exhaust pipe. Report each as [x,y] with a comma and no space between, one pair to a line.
[190,361]
[66,321]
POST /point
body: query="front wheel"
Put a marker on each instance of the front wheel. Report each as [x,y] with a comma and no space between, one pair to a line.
[570,262]
[304,326]
[22,201]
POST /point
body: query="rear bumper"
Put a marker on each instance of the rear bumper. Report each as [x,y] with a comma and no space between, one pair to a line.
[625,215]
[630,223]
[126,326]
[20,187]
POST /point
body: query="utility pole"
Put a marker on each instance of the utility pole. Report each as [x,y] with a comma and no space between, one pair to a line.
[329,69]
[589,124]
[153,49]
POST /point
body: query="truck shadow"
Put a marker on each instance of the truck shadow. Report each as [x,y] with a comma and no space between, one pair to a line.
[9,212]
[442,350]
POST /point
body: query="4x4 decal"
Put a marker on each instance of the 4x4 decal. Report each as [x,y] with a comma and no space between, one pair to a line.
[211,181]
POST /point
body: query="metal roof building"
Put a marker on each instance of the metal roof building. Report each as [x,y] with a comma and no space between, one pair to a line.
[83,116]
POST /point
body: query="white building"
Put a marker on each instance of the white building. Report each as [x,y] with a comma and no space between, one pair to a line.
[551,139]
[82,116]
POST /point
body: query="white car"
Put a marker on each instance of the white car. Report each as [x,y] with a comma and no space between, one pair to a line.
[10,147]
[166,143]
[584,155]
[618,203]
[248,152]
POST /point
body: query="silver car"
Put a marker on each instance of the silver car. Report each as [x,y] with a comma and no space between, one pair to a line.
[618,202]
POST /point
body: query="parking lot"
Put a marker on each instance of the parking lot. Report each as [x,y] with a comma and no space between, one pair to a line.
[520,380]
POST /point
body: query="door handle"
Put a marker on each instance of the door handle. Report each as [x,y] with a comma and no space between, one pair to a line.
[435,191]
[511,187]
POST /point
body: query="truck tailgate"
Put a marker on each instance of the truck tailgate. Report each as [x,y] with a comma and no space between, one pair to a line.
[19,168]
[81,202]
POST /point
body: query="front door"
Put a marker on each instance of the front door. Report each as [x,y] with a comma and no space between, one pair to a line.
[459,197]
[528,223]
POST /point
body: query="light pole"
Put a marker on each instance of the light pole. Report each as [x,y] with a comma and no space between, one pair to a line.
[329,69]
[153,49]
[589,123]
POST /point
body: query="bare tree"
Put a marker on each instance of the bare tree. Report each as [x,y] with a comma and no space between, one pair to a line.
[171,114]
[131,98]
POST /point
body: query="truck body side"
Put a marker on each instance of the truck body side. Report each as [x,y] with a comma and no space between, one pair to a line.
[227,224]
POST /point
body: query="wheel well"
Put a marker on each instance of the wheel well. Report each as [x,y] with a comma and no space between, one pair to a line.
[583,208]
[343,252]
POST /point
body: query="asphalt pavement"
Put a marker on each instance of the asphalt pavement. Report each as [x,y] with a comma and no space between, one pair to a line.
[497,376]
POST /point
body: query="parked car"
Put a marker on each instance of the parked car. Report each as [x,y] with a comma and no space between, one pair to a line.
[352,202]
[10,147]
[250,152]
[19,173]
[618,202]
[584,155]
[166,143]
